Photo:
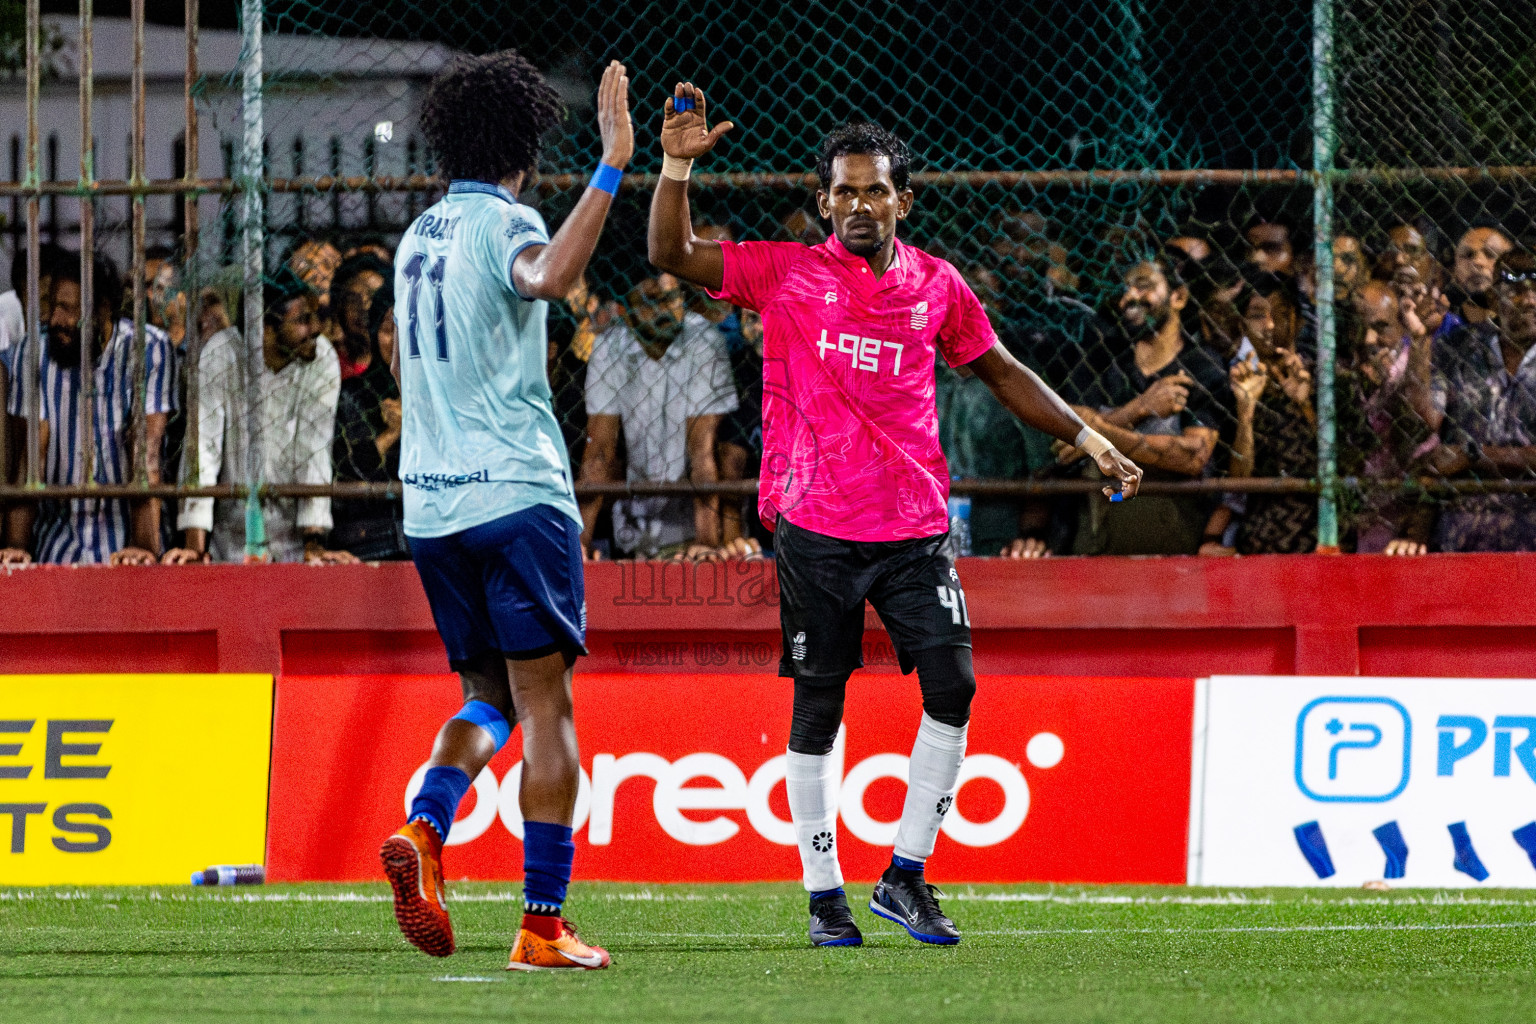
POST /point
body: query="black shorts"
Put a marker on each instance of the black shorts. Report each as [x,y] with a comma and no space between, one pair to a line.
[823,583]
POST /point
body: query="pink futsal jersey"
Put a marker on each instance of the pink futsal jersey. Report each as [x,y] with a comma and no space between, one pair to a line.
[850,429]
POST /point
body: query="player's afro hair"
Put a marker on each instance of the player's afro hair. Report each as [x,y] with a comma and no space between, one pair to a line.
[484,117]
[869,139]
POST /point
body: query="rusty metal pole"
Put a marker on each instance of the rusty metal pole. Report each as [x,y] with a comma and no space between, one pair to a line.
[32,372]
[191,279]
[253,249]
[140,378]
[87,252]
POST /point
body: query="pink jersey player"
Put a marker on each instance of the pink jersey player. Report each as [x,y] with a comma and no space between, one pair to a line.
[850,428]
[851,461]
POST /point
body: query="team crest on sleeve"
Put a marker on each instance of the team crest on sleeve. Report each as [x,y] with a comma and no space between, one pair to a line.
[919,319]
[520,226]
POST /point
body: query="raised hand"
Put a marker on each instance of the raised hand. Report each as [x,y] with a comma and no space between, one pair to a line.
[1168,395]
[613,116]
[1247,384]
[1293,377]
[685,133]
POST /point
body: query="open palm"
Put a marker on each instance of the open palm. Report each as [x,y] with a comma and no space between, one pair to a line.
[685,133]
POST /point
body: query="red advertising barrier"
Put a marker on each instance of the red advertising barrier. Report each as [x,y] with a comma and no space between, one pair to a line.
[1066,779]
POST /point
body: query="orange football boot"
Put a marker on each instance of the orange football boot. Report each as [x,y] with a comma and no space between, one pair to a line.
[413,862]
[548,943]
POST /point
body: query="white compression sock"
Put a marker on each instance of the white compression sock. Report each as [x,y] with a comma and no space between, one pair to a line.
[812,782]
[931,776]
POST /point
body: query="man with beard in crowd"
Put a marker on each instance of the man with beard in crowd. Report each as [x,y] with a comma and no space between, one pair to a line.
[300,385]
[1413,244]
[1470,295]
[1380,434]
[1165,403]
[1486,377]
[13,318]
[664,376]
[90,530]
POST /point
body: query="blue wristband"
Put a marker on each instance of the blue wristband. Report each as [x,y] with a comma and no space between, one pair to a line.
[606,179]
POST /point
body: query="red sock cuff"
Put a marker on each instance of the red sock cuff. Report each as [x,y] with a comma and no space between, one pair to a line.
[545,926]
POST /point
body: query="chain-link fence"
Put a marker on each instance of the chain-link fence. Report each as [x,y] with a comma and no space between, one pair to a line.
[1274,250]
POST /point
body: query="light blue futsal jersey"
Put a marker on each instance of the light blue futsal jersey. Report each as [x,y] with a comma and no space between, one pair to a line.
[479,439]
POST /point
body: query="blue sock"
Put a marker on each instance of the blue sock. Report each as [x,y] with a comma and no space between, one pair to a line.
[547,855]
[437,802]
[906,865]
[828,892]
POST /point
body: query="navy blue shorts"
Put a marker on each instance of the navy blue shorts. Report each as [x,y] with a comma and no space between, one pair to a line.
[512,585]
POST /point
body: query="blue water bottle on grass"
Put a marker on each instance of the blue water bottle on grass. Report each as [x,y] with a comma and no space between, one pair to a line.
[230,874]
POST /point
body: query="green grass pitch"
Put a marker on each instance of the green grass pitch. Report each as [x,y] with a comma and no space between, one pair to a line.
[739,954]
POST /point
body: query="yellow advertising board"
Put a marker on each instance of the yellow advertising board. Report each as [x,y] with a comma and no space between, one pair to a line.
[131,779]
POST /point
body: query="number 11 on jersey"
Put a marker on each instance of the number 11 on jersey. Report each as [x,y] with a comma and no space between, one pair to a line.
[434,277]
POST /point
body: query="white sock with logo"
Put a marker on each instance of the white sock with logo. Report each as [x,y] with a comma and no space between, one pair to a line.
[931,777]
[813,782]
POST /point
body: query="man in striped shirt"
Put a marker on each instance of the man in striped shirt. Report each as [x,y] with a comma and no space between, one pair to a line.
[91,530]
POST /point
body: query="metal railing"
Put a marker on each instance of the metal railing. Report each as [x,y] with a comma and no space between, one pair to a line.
[251,187]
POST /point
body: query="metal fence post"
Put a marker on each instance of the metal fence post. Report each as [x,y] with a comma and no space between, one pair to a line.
[253,244]
[1324,145]
[191,279]
[138,178]
[32,371]
[88,325]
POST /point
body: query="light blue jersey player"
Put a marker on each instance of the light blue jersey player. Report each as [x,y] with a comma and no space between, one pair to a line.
[489,507]
[480,436]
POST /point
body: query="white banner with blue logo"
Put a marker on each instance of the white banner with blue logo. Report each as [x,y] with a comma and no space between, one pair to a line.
[1340,782]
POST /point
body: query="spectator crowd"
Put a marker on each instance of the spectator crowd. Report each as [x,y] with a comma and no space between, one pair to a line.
[1200,365]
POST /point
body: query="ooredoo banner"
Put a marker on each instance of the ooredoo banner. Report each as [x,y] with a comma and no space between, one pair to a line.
[131,779]
[1066,780]
[1339,782]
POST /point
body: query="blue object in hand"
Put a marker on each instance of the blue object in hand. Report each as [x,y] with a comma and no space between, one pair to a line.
[681,103]
[1117,496]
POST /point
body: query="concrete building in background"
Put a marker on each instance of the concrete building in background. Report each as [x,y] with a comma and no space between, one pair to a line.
[332,107]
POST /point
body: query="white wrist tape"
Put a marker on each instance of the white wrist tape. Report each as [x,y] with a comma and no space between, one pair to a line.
[676,168]
[1092,442]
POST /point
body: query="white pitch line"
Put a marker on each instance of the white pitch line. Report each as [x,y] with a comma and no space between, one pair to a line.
[1025,932]
[1278,929]
[191,895]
